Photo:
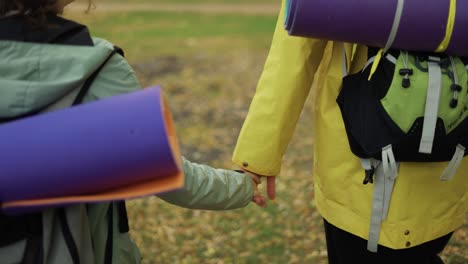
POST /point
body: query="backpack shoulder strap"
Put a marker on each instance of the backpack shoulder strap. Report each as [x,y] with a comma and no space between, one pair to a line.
[122,226]
[87,84]
[76,96]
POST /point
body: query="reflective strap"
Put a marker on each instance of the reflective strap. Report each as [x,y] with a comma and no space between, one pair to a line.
[395,26]
[432,105]
[383,188]
[452,168]
[389,57]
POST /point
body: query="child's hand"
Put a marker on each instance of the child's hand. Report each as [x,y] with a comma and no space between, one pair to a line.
[258,198]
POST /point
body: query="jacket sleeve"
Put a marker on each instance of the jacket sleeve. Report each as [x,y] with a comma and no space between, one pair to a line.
[211,189]
[278,101]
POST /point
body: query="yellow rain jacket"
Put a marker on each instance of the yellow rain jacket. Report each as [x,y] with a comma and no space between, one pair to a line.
[422,207]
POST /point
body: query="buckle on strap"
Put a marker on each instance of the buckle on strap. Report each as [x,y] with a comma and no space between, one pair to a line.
[369,169]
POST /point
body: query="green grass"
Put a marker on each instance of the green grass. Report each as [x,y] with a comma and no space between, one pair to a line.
[163,33]
[209,66]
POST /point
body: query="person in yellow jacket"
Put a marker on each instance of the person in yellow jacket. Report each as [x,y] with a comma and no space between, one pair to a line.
[423,211]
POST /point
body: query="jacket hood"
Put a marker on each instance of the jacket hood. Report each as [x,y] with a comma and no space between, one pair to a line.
[34,75]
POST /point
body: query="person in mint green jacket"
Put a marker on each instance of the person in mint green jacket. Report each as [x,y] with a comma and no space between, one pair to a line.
[43,60]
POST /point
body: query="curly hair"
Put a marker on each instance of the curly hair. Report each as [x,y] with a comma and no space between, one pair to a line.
[33,8]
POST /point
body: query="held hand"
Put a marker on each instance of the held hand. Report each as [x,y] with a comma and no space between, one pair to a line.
[271,190]
[257,198]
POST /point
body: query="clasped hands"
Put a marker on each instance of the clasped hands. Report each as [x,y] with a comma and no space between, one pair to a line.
[258,197]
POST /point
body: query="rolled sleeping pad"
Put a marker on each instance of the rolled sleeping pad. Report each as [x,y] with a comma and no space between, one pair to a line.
[422,27]
[113,149]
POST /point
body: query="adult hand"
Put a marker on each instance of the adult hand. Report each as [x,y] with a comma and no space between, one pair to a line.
[271,189]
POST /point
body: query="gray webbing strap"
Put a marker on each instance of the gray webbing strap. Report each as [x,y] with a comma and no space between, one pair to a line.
[384,182]
[367,164]
[344,63]
[455,77]
[395,26]
[452,168]
[13,253]
[432,105]
[454,70]
[64,102]
[377,210]
[389,57]
[390,170]
[368,63]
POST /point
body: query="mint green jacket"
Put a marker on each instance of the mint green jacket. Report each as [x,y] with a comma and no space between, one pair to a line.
[35,75]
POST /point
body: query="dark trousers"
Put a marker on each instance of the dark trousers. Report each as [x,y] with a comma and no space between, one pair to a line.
[345,248]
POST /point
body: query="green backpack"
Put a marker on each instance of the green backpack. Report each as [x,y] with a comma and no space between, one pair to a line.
[404,106]
[412,107]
